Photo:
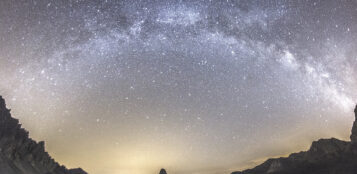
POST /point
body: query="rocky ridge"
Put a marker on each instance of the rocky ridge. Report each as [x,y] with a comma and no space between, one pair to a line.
[325,156]
[19,154]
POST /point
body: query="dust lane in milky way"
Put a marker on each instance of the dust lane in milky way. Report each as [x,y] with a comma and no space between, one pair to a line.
[191,86]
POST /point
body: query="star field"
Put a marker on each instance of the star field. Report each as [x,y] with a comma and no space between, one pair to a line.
[121,87]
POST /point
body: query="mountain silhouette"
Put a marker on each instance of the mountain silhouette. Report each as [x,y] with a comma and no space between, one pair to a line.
[325,156]
[19,154]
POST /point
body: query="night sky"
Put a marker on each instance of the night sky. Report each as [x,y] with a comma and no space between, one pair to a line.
[196,87]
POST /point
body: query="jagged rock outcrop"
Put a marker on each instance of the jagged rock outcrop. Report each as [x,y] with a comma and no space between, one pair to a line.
[162,171]
[77,171]
[354,129]
[19,154]
[325,156]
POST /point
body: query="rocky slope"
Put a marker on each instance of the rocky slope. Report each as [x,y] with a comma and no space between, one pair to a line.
[21,155]
[325,156]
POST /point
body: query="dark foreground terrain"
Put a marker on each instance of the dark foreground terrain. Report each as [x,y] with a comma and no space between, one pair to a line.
[325,156]
[21,155]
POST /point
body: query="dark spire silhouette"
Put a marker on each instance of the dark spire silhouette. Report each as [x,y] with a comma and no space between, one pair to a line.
[162,171]
[354,129]
[2,104]
[4,113]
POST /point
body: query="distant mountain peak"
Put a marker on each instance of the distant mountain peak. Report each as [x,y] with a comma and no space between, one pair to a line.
[325,156]
[162,171]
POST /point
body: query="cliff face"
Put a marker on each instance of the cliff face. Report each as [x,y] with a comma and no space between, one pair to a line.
[21,155]
[325,156]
